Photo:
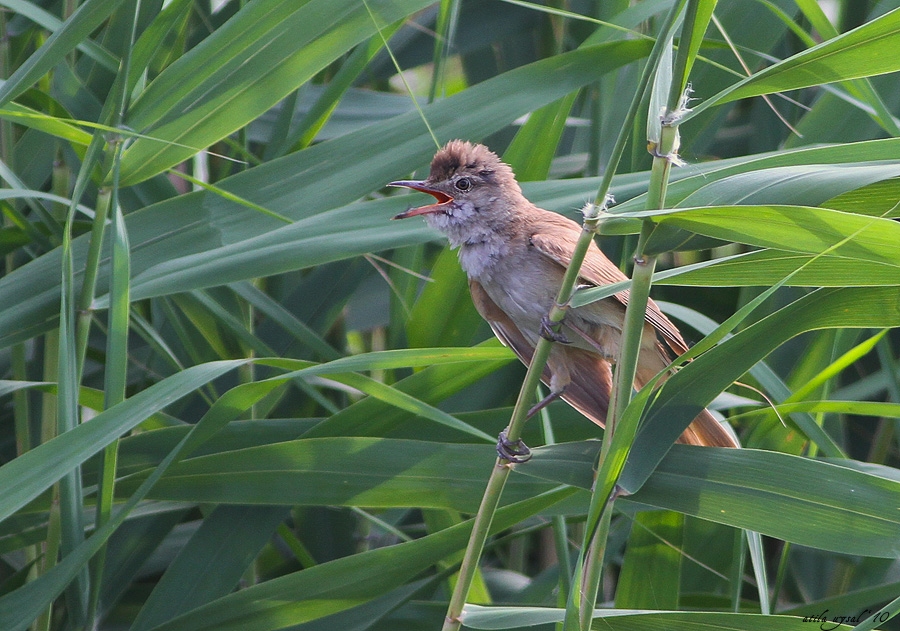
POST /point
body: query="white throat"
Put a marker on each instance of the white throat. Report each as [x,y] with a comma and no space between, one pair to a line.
[481,243]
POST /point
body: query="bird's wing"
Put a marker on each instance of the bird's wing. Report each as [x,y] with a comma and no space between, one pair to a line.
[556,236]
[590,375]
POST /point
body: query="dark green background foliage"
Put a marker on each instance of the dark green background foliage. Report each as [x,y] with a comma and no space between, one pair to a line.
[237,396]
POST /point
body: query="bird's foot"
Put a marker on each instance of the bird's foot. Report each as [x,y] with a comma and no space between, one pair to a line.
[512,450]
[548,333]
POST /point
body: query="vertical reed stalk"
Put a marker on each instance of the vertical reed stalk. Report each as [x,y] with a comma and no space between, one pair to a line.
[116,375]
[617,444]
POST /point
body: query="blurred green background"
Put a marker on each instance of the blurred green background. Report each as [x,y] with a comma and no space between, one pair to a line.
[237,396]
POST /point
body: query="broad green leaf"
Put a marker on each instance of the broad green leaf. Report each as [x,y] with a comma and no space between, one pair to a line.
[858,408]
[743,488]
[196,225]
[694,177]
[791,228]
[72,34]
[32,473]
[211,563]
[863,52]
[329,236]
[832,507]
[497,618]
[262,54]
[332,587]
[371,417]
[798,185]
[59,127]
[367,472]
[767,267]
[878,199]
[754,489]
[806,185]
[692,388]
[52,23]
[147,449]
[651,568]
[399,358]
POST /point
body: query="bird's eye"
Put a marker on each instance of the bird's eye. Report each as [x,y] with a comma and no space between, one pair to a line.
[463,184]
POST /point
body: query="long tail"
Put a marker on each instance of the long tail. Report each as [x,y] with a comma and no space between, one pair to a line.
[588,392]
[707,431]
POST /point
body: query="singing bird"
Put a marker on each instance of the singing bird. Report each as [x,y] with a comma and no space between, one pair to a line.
[515,255]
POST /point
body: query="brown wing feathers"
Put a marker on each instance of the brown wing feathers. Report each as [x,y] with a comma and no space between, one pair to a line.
[556,236]
[591,376]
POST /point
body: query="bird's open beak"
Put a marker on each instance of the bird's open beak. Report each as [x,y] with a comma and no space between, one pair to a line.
[420,185]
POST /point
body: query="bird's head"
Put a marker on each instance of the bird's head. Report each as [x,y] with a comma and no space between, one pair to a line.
[470,184]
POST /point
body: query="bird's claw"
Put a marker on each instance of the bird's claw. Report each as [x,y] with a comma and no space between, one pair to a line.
[512,450]
[548,333]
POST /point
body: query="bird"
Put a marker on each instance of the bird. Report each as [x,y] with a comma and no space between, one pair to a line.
[515,255]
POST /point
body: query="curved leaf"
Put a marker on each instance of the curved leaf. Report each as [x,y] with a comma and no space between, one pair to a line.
[302,186]
[865,51]
[365,472]
[72,34]
[32,473]
[496,618]
[831,507]
[691,389]
[331,587]
[244,68]
[790,228]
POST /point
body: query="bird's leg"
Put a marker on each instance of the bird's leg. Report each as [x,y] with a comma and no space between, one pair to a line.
[512,450]
[547,400]
[516,450]
[548,333]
